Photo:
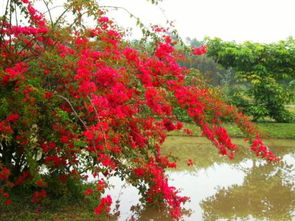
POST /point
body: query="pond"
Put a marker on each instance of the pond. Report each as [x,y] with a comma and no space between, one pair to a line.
[245,188]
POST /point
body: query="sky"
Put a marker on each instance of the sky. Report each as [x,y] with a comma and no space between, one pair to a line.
[240,20]
[262,21]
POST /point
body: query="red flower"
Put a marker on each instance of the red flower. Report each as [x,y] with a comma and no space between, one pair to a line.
[64,139]
[38,196]
[21,179]
[41,183]
[89,134]
[8,201]
[187,131]
[54,161]
[12,118]
[4,174]
[139,172]
[168,124]
[104,205]
[5,128]
[199,51]
[6,195]
[164,50]
[130,54]
[88,192]
[48,146]
[100,185]
[103,19]
[48,95]
[179,125]
[190,162]
[12,72]
[106,161]
[63,178]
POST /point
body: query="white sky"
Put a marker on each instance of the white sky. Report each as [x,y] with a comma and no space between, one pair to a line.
[239,20]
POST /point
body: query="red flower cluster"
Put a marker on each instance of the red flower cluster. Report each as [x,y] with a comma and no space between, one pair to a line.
[199,51]
[6,197]
[5,129]
[159,189]
[104,205]
[139,172]
[101,185]
[24,176]
[190,162]
[54,161]
[88,192]
[4,174]
[12,118]
[262,150]
[38,196]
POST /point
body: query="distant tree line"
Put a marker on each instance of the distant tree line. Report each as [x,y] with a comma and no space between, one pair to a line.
[258,78]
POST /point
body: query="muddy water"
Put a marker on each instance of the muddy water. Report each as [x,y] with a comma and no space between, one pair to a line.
[245,188]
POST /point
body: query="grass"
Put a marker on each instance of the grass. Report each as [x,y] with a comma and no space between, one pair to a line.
[69,211]
[277,130]
[266,129]
[65,208]
[22,211]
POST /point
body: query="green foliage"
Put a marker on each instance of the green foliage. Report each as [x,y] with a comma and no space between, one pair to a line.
[181,115]
[268,69]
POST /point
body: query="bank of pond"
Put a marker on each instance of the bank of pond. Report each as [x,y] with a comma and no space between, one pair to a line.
[268,130]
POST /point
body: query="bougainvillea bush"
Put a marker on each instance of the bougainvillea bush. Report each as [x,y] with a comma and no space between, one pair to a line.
[77,100]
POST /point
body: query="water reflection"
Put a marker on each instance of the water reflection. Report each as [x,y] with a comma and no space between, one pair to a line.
[148,214]
[265,193]
[243,189]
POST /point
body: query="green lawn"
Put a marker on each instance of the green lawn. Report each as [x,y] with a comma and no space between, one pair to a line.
[267,130]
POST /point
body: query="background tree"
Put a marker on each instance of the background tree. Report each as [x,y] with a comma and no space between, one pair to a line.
[268,69]
[212,72]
